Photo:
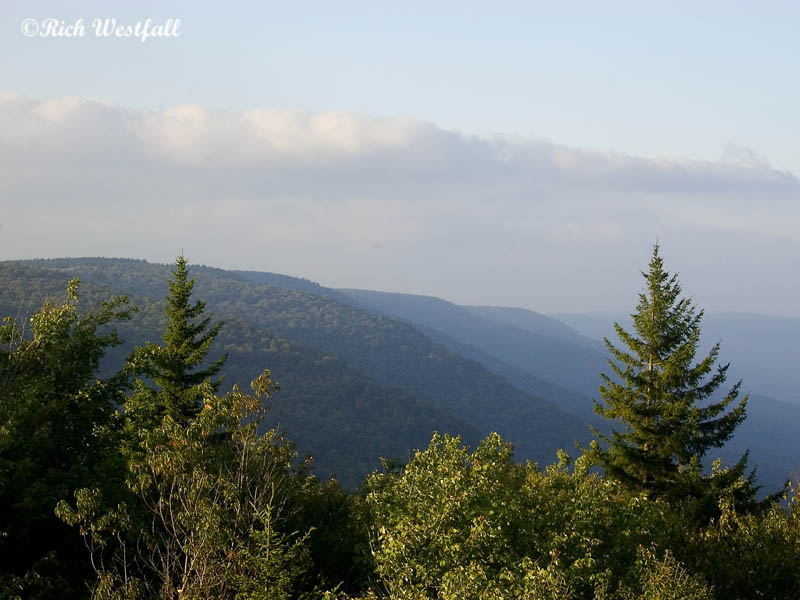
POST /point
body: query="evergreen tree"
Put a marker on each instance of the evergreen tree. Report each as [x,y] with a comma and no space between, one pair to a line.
[665,401]
[174,366]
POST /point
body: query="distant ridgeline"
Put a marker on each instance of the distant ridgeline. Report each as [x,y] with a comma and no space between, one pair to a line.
[366,374]
[355,386]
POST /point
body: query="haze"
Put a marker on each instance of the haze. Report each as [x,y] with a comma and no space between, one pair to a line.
[525,157]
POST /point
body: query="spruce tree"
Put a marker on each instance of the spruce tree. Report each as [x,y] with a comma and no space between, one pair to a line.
[666,402]
[175,366]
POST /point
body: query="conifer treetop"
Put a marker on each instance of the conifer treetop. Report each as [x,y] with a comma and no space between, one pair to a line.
[663,397]
[175,366]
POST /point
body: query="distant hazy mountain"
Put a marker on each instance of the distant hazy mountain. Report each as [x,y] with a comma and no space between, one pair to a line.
[566,399]
[534,322]
[763,351]
[540,347]
[594,325]
[562,362]
[770,431]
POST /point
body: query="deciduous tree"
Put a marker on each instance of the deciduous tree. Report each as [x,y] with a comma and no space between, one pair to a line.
[57,433]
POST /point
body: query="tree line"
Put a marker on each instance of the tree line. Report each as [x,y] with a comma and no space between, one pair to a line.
[149,483]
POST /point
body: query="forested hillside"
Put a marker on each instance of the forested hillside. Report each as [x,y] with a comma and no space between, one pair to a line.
[130,473]
[334,412]
[438,365]
[528,320]
[381,387]
[551,356]
[542,354]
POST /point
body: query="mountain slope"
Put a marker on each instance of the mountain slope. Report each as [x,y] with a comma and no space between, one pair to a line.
[341,417]
[388,351]
[769,431]
[561,362]
[528,320]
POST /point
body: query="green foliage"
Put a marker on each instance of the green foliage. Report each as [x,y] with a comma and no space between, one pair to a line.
[454,522]
[187,341]
[384,356]
[212,503]
[664,401]
[57,423]
[195,524]
[447,512]
[329,408]
[663,579]
[209,497]
[337,541]
[750,555]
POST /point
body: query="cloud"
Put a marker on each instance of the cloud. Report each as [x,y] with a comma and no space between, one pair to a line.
[743,156]
[269,140]
[313,193]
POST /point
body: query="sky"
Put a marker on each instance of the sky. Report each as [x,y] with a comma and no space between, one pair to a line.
[501,153]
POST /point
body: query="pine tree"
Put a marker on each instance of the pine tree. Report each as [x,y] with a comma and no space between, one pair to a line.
[665,401]
[173,366]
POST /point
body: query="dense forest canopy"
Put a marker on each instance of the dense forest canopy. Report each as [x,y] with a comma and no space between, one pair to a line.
[134,471]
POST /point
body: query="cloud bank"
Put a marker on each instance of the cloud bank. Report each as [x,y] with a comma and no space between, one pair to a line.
[392,203]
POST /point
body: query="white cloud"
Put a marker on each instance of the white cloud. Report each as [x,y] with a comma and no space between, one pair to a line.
[498,219]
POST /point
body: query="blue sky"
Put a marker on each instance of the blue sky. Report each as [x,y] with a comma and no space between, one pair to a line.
[711,91]
[680,80]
